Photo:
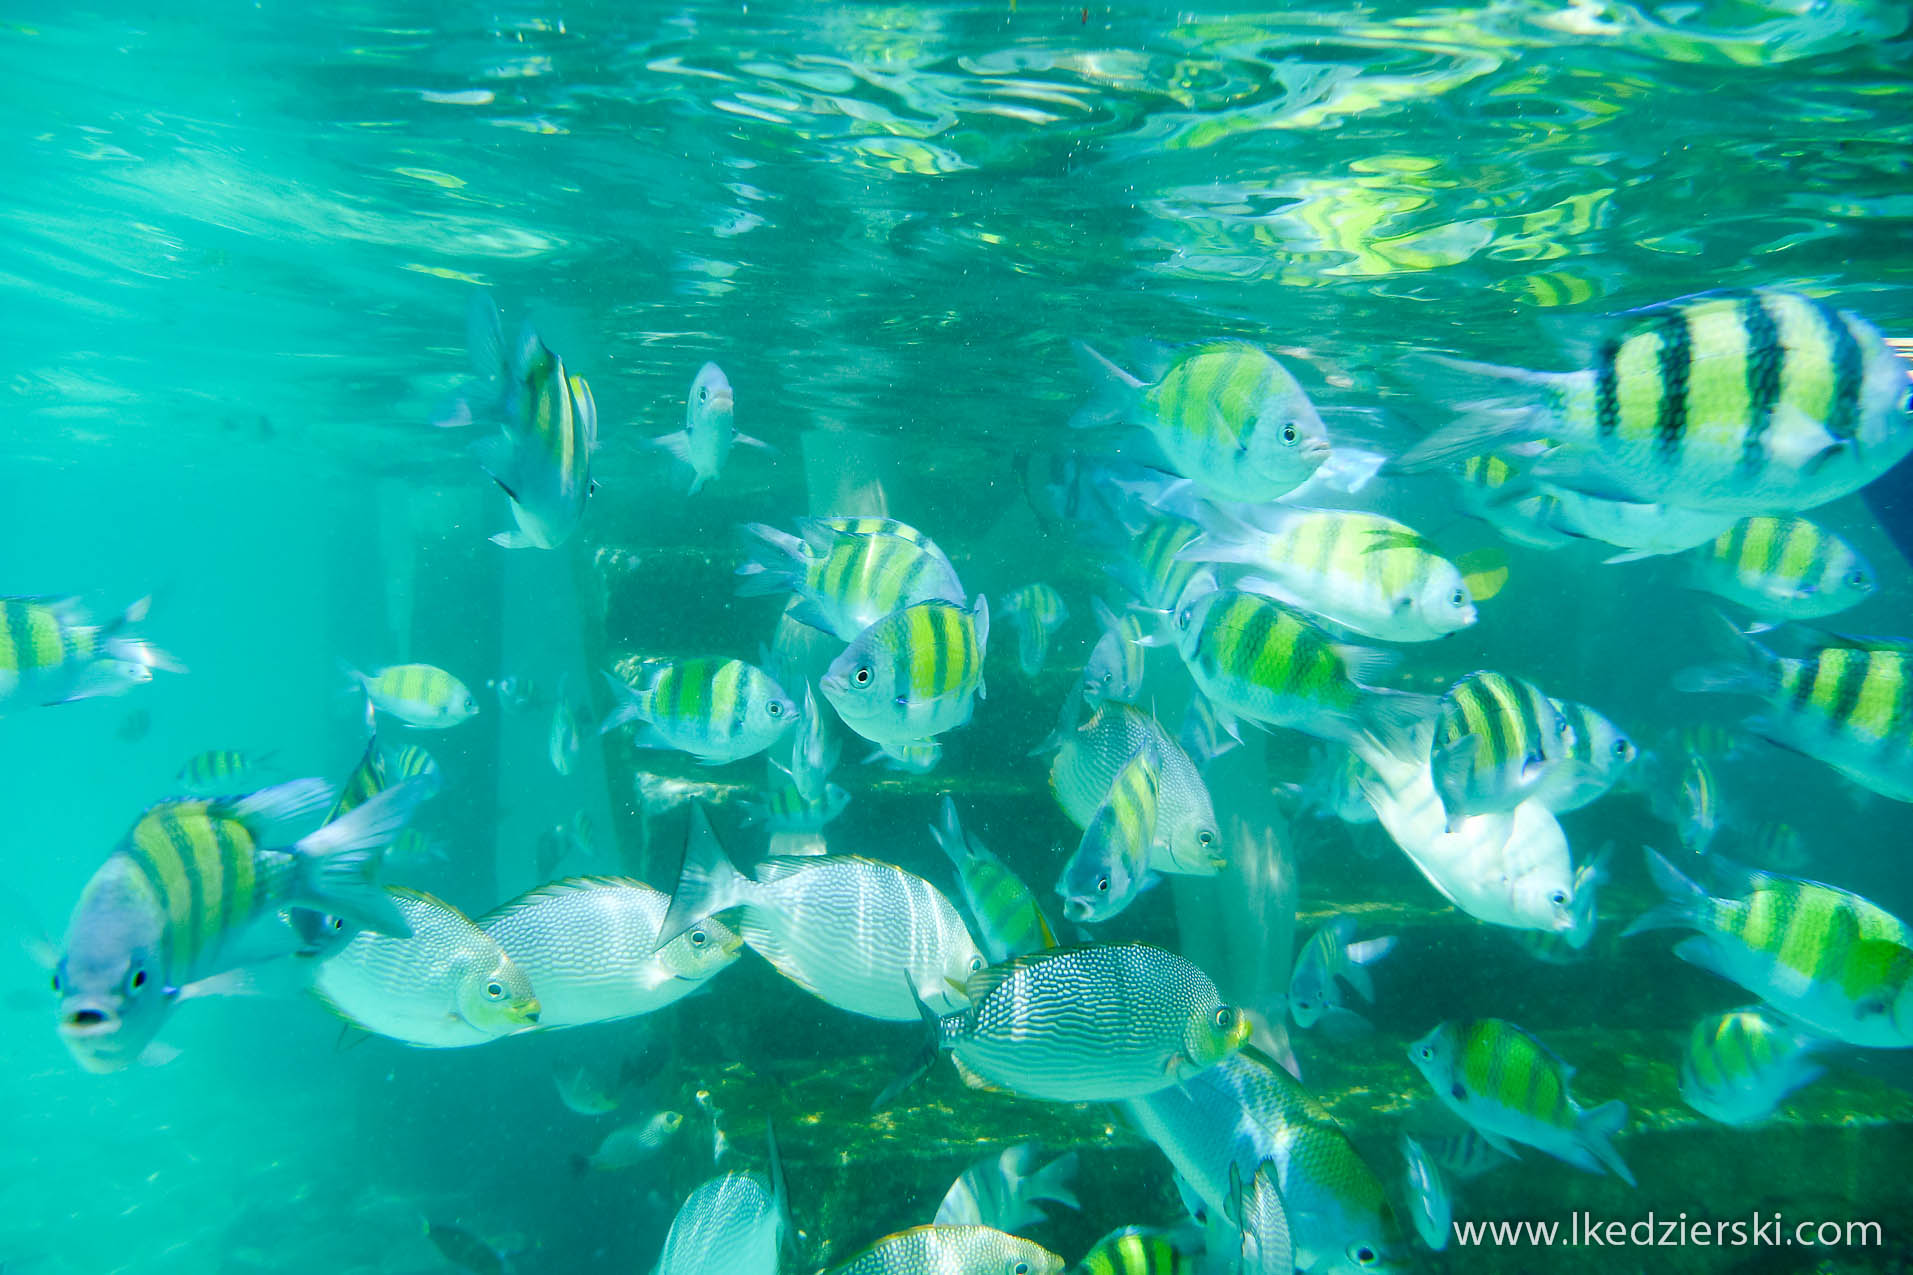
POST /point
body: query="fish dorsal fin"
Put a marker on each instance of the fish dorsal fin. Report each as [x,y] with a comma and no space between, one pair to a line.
[566,887]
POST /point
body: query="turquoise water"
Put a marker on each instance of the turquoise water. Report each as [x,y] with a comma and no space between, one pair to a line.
[238,250]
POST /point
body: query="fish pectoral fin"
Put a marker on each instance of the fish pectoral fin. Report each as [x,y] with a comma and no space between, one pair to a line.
[745,440]
[157,1054]
[678,444]
[514,540]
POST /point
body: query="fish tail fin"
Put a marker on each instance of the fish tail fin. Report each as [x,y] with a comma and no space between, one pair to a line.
[708,883]
[1360,957]
[1112,390]
[948,834]
[1388,719]
[1488,423]
[925,1057]
[485,337]
[630,704]
[121,647]
[1751,674]
[1686,903]
[1054,1182]
[1594,1129]
[773,560]
[338,865]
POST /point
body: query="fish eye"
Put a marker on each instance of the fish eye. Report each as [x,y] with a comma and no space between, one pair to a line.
[138,980]
[863,676]
[1225,1018]
[1426,1053]
[1459,598]
[495,990]
[1559,898]
[56,980]
[1206,838]
[703,393]
[699,938]
[1102,885]
[1858,580]
[1365,1255]
[1289,434]
[976,963]
[774,709]
[1623,749]
[1021,1268]
[1183,617]
[336,922]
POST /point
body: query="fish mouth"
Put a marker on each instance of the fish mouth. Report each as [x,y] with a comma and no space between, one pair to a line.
[92,1035]
[87,1022]
[529,1014]
[1077,910]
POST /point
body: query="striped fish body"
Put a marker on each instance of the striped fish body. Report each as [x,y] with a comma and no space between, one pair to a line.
[222,772]
[1009,921]
[1154,570]
[1497,741]
[368,779]
[1498,491]
[1848,706]
[952,1250]
[1187,837]
[419,695]
[51,653]
[1364,572]
[1035,611]
[542,460]
[1738,402]
[1136,1250]
[1114,670]
[913,674]
[1111,864]
[589,947]
[1508,869]
[1697,804]
[1257,659]
[847,572]
[1739,1067]
[784,807]
[1247,1109]
[1098,1023]
[1783,568]
[1328,961]
[561,743]
[409,762]
[447,986]
[717,710]
[1801,946]
[730,1225]
[1599,756]
[1236,421]
[1509,1086]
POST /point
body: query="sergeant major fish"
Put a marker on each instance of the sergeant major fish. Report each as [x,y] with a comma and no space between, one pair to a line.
[1739,1067]
[417,694]
[50,654]
[541,459]
[1036,612]
[717,710]
[1783,568]
[1329,961]
[847,572]
[1009,921]
[912,675]
[165,910]
[710,430]
[1497,741]
[1111,864]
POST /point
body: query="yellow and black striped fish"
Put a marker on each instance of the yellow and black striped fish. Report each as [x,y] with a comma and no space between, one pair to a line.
[1498,739]
[1783,568]
[1111,864]
[1009,921]
[162,913]
[1744,402]
[912,675]
[541,458]
[1137,1250]
[847,572]
[221,771]
[715,709]
[50,653]
[1036,611]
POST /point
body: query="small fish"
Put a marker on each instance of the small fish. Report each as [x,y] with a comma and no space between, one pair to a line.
[51,654]
[1115,667]
[1139,1250]
[1095,1023]
[418,695]
[221,772]
[1111,864]
[1333,789]
[1009,921]
[1226,415]
[1508,869]
[1256,659]
[717,710]
[1327,963]
[516,694]
[864,936]
[1779,847]
[411,761]
[1509,1086]
[1697,804]
[561,745]
[1225,1121]
[1746,402]
[912,759]
[1783,568]
[913,674]
[952,1250]
[1430,1201]
[1497,741]
[463,1249]
[734,1224]
[847,572]
[1187,838]
[584,1091]
[628,1146]
[1035,611]
[1849,705]
[710,431]
[541,458]
[1256,1226]
[783,807]
[1599,756]
[447,985]
[1007,1190]
[1826,957]
[1464,1153]
[165,911]
[813,753]
[1154,571]
[1360,571]
[590,946]
[1739,1067]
